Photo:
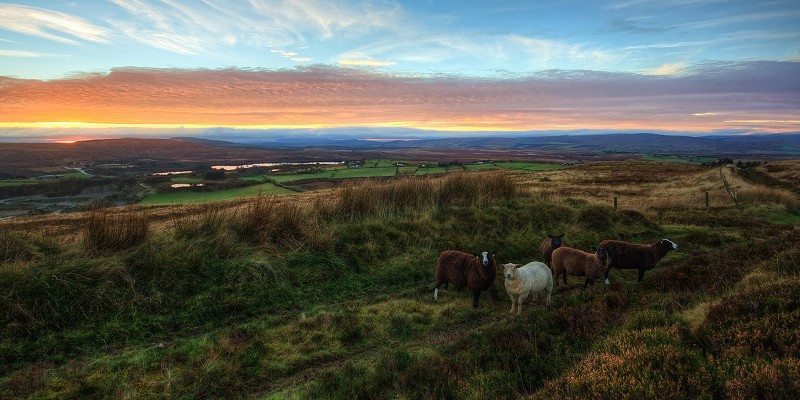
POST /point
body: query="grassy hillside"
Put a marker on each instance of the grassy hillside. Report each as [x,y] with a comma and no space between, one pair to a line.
[331,296]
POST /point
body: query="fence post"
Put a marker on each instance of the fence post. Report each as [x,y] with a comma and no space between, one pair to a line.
[615,202]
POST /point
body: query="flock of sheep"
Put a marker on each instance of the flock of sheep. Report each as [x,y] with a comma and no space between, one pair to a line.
[478,271]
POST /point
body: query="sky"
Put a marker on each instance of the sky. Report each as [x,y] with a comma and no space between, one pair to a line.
[100,68]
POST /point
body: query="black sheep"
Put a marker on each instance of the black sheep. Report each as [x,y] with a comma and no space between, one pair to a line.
[551,243]
[624,255]
[476,272]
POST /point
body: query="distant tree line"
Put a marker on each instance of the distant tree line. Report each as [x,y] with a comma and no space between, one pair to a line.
[739,164]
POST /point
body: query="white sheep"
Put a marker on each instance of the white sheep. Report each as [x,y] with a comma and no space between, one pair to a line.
[533,277]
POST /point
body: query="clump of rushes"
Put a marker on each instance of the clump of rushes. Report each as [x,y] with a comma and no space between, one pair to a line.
[114,232]
[418,195]
[476,189]
[268,220]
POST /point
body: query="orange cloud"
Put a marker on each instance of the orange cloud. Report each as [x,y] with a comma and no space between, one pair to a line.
[318,97]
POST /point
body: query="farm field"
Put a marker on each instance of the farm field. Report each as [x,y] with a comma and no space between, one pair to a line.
[371,169]
[328,294]
[186,197]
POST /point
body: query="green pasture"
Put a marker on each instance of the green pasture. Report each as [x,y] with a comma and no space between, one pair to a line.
[33,181]
[18,182]
[187,197]
[185,179]
[348,173]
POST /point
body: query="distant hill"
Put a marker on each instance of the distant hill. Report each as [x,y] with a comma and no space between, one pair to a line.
[757,145]
[20,157]
[25,157]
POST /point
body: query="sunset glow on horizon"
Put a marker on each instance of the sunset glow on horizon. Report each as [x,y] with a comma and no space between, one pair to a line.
[667,66]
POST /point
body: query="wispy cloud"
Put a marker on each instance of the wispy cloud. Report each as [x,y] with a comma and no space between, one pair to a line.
[371,63]
[491,51]
[202,27]
[659,3]
[667,69]
[49,25]
[735,19]
[738,94]
[286,54]
[291,55]
[24,54]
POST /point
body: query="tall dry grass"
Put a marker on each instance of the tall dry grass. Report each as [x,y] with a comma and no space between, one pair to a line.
[269,219]
[114,232]
[418,195]
[756,194]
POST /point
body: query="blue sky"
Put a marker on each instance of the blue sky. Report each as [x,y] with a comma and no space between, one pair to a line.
[53,38]
[666,65]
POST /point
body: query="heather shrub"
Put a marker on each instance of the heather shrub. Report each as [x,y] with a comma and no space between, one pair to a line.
[646,363]
[777,379]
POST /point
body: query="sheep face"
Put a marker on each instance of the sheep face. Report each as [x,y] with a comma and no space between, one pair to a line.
[555,240]
[486,258]
[669,243]
[510,271]
[602,255]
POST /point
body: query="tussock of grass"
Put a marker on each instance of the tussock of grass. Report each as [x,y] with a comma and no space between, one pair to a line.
[757,195]
[116,232]
[16,247]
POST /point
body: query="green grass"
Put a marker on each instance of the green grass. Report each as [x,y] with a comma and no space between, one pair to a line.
[480,167]
[338,174]
[279,301]
[18,182]
[185,179]
[33,181]
[255,178]
[188,197]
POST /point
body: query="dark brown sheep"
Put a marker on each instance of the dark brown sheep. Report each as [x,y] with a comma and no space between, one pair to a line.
[551,243]
[476,272]
[567,260]
[624,255]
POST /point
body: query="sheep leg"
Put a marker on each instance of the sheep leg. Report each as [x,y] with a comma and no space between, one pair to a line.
[513,302]
[548,297]
[521,300]
[436,290]
[564,272]
[606,275]
[641,274]
[475,295]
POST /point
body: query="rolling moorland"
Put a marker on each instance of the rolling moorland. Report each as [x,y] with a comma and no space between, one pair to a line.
[50,178]
[328,293]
